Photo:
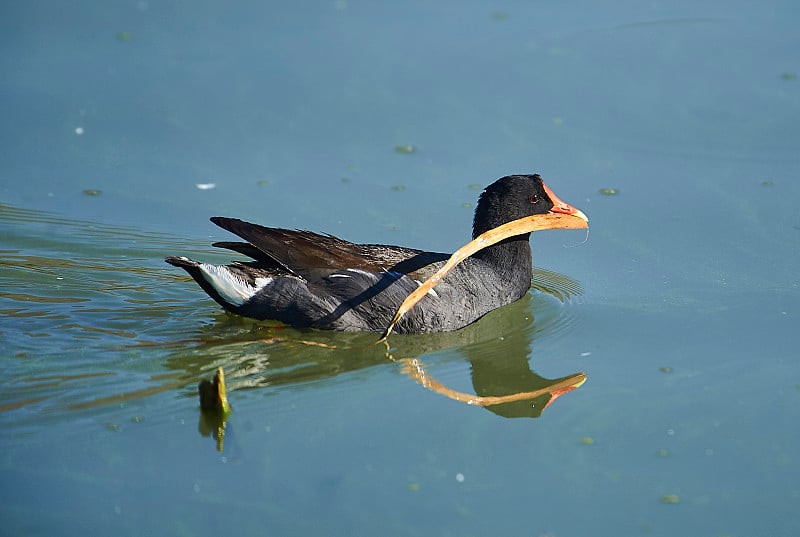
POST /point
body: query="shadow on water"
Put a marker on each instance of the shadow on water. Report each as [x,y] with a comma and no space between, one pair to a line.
[92,317]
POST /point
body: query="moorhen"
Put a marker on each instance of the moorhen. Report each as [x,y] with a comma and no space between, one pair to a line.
[307,279]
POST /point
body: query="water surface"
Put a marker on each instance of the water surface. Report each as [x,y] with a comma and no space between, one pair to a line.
[681,308]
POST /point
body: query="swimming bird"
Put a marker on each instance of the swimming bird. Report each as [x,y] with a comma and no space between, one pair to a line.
[312,280]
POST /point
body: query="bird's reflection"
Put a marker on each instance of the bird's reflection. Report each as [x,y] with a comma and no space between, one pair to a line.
[498,349]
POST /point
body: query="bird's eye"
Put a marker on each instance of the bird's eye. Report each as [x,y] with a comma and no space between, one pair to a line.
[534,198]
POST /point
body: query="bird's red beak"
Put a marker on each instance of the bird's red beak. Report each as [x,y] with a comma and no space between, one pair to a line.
[563,207]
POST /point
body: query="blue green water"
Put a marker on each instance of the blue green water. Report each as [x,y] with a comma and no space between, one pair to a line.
[682,307]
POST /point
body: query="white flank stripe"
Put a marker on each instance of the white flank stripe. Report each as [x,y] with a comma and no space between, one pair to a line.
[431,291]
[370,275]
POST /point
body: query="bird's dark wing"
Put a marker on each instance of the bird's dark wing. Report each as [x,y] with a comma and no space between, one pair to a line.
[245,248]
[301,252]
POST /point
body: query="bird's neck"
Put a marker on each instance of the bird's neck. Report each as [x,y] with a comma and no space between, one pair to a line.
[510,257]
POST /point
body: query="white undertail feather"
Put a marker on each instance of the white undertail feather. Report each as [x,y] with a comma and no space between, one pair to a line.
[231,287]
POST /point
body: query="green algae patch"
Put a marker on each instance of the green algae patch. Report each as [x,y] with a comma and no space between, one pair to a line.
[609,191]
[405,149]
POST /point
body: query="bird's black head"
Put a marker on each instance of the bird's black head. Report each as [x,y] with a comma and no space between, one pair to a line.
[510,198]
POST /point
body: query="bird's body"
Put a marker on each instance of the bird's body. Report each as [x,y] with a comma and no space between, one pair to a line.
[307,279]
